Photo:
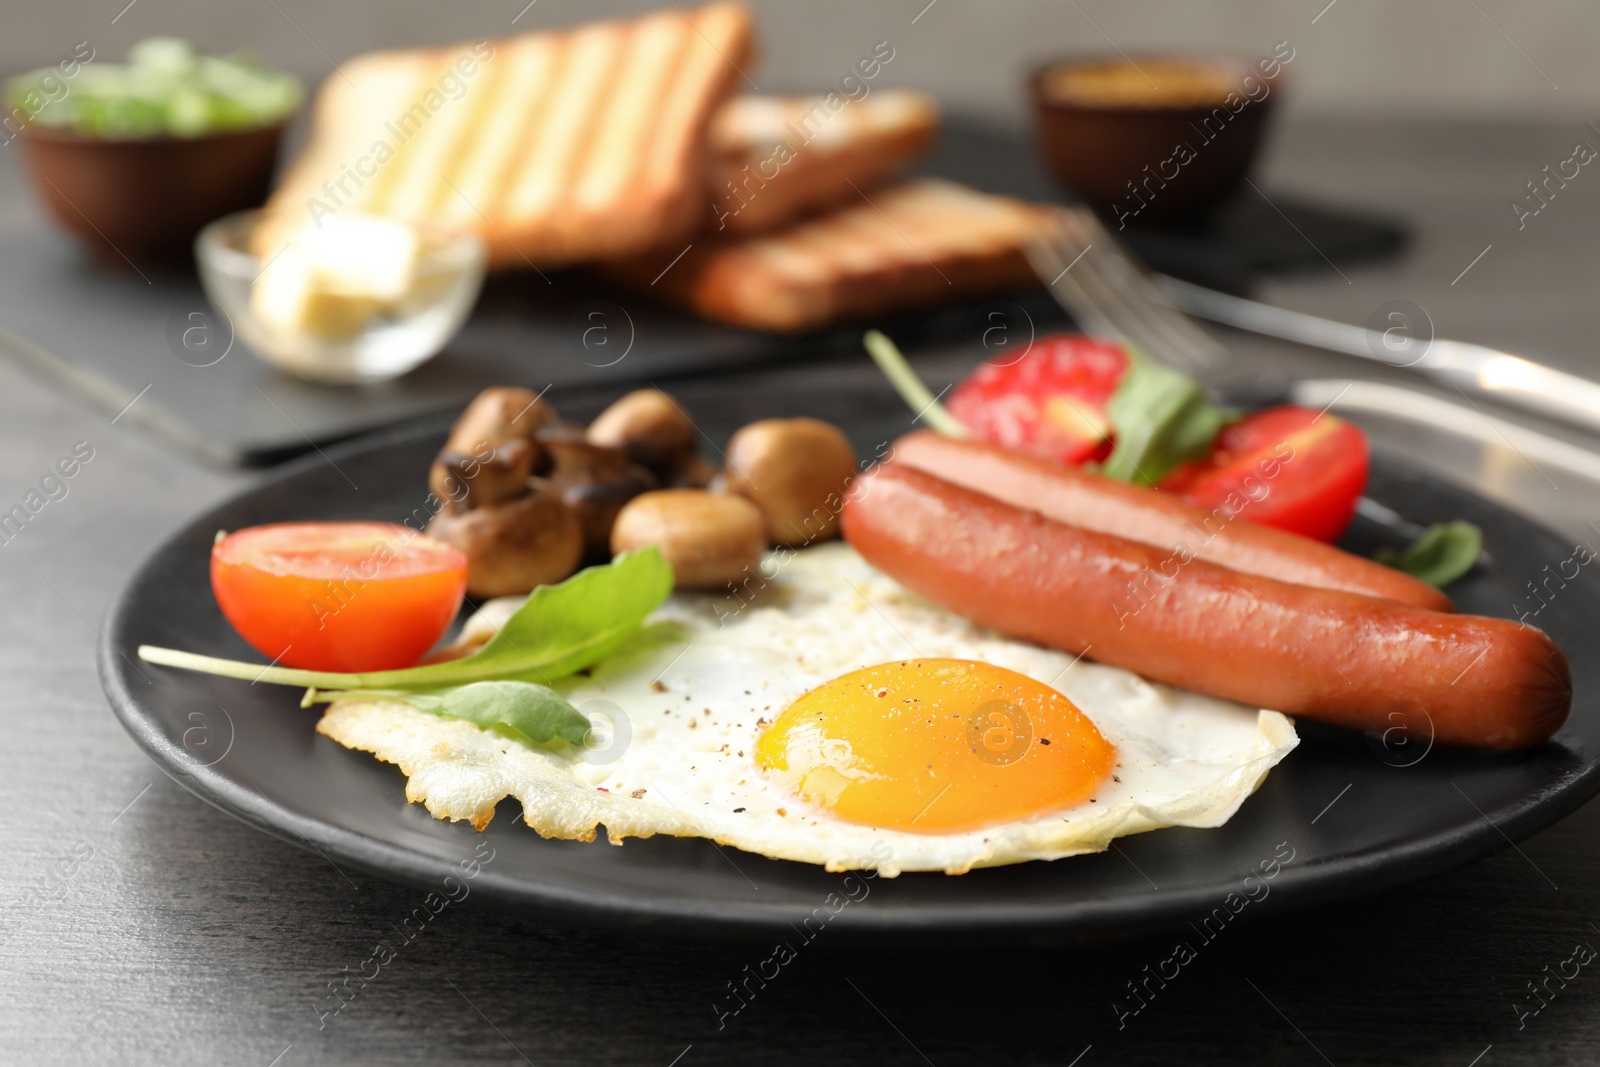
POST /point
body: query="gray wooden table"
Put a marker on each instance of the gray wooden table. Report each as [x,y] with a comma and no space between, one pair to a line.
[142,927]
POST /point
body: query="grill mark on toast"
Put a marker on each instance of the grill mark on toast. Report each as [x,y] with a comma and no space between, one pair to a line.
[398,124]
[601,145]
[711,60]
[484,87]
[864,143]
[348,118]
[511,241]
[616,154]
[438,144]
[576,145]
[932,241]
[528,68]
[540,189]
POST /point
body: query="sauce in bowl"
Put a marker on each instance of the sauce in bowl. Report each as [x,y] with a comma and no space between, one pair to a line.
[1118,83]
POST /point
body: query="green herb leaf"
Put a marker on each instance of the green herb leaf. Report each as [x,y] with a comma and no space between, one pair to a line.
[165,88]
[1161,419]
[523,711]
[1441,555]
[560,629]
[893,363]
[564,628]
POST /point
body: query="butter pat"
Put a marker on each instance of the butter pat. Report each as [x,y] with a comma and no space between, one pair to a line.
[362,255]
[331,280]
[290,299]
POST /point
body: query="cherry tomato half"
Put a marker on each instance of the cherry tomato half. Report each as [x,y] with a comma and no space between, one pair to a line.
[338,596]
[1287,467]
[1050,401]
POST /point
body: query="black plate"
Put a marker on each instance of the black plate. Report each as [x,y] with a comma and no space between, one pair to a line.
[1358,814]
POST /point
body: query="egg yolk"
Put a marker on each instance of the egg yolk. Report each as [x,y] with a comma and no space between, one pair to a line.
[936,746]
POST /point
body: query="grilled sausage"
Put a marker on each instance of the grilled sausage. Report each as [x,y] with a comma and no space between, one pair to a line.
[1324,654]
[1083,499]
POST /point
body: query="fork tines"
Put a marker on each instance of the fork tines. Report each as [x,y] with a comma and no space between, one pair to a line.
[1090,274]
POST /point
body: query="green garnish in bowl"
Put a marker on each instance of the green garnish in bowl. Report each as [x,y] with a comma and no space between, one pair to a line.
[165,89]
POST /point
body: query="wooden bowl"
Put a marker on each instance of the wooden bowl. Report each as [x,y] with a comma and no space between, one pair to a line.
[144,200]
[1142,153]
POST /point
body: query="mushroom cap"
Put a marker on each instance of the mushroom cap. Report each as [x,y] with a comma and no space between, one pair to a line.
[711,539]
[488,477]
[499,414]
[796,471]
[651,427]
[514,545]
[595,481]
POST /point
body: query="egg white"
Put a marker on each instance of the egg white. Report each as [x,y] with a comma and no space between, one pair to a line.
[707,673]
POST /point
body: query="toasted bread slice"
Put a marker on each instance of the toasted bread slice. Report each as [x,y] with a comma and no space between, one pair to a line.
[778,158]
[557,147]
[902,247]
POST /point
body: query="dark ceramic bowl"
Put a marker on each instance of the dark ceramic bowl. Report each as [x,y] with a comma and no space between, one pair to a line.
[1160,148]
[143,200]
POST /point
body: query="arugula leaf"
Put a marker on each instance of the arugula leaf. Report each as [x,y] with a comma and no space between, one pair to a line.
[560,629]
[564,628]
[1160,416]
[1441,555]
[1161,419]
[892,362]
[532,714]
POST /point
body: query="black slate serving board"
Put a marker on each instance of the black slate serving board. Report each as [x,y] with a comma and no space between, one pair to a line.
[115,336]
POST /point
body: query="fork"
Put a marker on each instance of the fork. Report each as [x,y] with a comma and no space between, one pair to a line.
[1093,276]
[1096,280]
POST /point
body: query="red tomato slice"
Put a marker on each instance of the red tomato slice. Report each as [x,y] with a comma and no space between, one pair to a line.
[1050,401]
[338,596]
[1287,467]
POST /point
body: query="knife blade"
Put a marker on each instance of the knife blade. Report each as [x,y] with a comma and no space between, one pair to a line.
[1472,370]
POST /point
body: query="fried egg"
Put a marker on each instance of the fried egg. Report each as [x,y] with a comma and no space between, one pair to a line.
[828,715]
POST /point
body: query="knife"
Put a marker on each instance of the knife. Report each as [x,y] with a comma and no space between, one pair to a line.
[1472,370]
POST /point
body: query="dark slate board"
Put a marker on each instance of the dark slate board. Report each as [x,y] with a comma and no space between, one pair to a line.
[112,335]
